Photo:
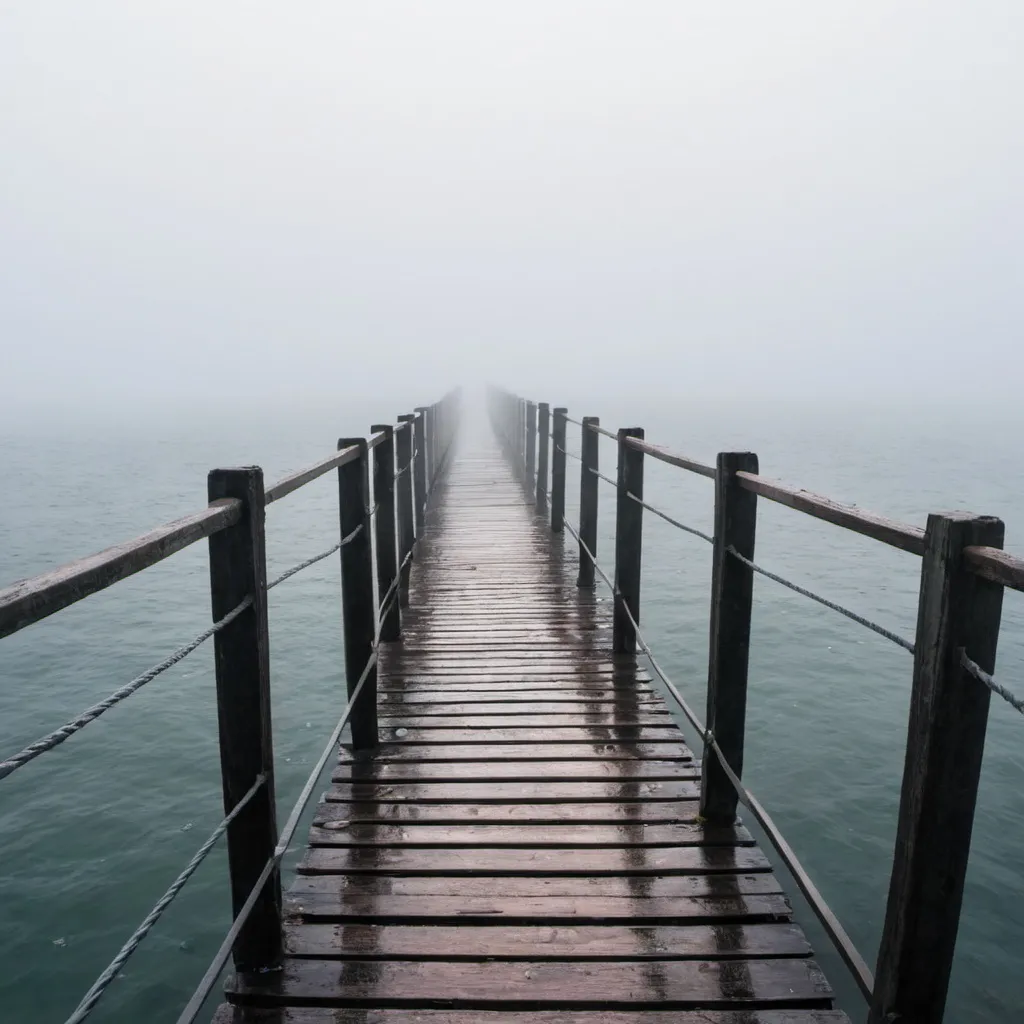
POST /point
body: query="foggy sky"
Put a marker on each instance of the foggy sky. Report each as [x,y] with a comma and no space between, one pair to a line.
[203,199]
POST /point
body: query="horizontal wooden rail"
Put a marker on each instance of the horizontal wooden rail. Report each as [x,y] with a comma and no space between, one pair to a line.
[868,524]
[293,481]
[663,454]
[28,601]
[996,565]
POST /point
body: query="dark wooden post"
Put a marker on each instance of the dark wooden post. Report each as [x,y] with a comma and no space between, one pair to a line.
[543,444]
[629,532]
[531,445]
[238,569]
[387,557]
[588,501]
[406,513]
[520,444]
[558,470]
[945,742]
[732,594]
[428,453]
[420,469]
[358,612]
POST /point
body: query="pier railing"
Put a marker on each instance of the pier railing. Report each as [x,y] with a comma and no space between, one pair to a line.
[379,526]
[963,574]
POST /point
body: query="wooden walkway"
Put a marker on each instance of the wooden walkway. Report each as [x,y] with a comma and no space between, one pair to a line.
[524,844]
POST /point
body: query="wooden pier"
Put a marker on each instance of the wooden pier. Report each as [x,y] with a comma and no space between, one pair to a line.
[515,829]
[524,843]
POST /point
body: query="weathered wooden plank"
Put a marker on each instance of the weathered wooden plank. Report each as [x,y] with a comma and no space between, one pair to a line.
[585,812]
[319,1015]
[533,942]
[449,697]
[679,984]
[416,835]
[531,734]
[621,790]
[28,601]
[318,894]
[392,753]
[494,861]
[512,771]
[514,709]
[552,720]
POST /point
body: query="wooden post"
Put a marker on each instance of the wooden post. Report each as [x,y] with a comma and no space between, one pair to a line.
[531,445]
[406,512]
[543,444]
[420,469]
[358,612]
[387,556]
[558,470]
[629,528]
[945,742]
[588,501]
[428,450]
[238,569]
[732,594]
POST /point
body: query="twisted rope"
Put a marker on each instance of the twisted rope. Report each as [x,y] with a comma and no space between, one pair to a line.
[847,950]
[209,979]
[867,623]
[305,565]
[669,519]
[571,455]
[58,736]
[100,985]
[601,476]
[983,677]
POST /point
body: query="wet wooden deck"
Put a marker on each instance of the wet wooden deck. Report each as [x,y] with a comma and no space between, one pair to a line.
[524,845]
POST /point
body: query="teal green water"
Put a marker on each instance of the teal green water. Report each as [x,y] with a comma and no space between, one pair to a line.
[93,832]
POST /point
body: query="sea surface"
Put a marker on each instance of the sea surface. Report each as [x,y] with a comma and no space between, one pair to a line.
[92,833]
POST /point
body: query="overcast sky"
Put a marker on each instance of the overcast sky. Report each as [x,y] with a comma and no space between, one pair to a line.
[200,198]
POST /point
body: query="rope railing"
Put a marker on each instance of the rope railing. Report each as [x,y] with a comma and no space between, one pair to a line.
[209,979]
[58,736]
[842,941]
[308,562]
[572,455]
[669,519]
[601,476]
[853,616]
[974,669]
[102,983]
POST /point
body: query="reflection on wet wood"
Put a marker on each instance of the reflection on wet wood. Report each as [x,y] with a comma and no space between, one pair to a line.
[541,942]
[568,984]
[361,1015]
[524,844]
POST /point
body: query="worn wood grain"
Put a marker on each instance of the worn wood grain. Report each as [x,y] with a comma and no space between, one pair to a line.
[319,1015]
[678,984]
[418,835]
[28,601]
[503,861]
[541,942]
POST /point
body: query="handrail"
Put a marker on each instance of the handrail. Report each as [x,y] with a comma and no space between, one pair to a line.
[28,601]
[954,649]
[239,585]
[995,565]
[293,481]
[869,524]
[663,454]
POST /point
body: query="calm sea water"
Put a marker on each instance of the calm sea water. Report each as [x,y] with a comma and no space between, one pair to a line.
[93,832]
